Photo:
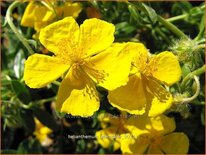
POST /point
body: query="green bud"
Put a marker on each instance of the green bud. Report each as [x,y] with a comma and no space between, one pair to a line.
[183,48]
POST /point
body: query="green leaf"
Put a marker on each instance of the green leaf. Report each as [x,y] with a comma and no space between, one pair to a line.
[185,70]
[81,145]
[185,5]
[21,91]
[9,151]
[101,151]
[134,12]
[19,64]
[180,8]
[33,43]
[45,118]
[29,146]
[28,120]
[124,27]
[4,22]
[201,28]
[149,11]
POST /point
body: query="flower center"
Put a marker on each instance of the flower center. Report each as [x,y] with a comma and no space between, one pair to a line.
[150,67]
[70,53]
[83,69]
[98,76]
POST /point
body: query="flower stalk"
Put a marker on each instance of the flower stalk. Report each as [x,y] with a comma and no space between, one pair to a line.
[171,27]
[199,71]
[14,29]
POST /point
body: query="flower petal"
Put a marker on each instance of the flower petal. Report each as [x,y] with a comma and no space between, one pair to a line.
[95,36]
[175,143]
[69,9]
[162,124]
[77,102]
[159,125]
[41,70]
[33,13]
[153,149]
[113,66]
[107,137]
[158,97]
[66,31]
[140,57]
[73,80]
[130,98]
[165,67]
[133,145]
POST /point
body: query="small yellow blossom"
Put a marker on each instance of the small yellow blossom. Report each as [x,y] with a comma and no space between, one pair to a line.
[41,132]
[144,91]
[87,56]
[37,15]
[154,136]
[113,128]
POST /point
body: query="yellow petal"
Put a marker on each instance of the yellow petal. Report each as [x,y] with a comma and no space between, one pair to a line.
[77,102]
[95,36]
[33,13]
[49,17]
[107,137]
[61,35]
[165,67]
[70,82]
[138,125]
[41,70]
[162,124]
[160,99]
[133,145]
[154,150]
[175,143]
[113,65]
[69,9]
[130,98]
[140,57]
[153,126]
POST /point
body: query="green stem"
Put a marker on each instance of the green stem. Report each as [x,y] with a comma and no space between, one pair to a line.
[14,29]
[201,41]
[172,19]
[199,47]
[163,35]
[190,99]
[56,83]
[171,27]
[199,71]
[46,100]
[175,18]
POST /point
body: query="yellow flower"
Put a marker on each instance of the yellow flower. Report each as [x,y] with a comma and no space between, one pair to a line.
[144,91]
[37,15]
[154,136]
[113,128]
[41,132]
[88,56]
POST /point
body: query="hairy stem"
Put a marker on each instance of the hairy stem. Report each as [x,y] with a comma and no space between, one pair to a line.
[171,27]
[199,71]
[14,29]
